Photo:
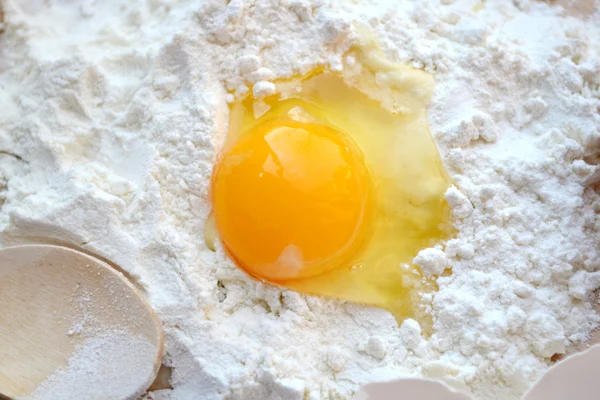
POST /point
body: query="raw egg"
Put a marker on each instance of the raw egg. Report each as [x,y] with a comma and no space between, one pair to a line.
[334,184]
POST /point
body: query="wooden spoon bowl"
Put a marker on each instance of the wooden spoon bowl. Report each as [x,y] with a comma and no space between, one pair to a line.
[71,325]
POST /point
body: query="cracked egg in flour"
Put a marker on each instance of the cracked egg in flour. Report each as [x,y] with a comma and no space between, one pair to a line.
[334,184]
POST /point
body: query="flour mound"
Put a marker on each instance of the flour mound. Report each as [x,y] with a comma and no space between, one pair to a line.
[113,112]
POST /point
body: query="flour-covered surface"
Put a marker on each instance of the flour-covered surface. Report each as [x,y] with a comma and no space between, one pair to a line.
[112,113]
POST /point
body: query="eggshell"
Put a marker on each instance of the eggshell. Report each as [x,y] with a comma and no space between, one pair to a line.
[409,388]
[573,378]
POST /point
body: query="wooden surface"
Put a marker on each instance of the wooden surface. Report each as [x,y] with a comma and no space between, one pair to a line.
[51,300]
[578,8]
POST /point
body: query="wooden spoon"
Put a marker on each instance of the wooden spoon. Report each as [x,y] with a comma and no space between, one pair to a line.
[73,327]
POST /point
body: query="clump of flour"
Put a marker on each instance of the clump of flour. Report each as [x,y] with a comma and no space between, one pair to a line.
[113,113]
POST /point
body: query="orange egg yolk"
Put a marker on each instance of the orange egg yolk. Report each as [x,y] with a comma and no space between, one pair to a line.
[292,199]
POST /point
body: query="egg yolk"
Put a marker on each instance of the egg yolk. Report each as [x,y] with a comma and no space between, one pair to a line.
[292,199]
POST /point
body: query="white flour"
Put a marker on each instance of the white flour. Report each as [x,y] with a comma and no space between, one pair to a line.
[112,361]
[114,111]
